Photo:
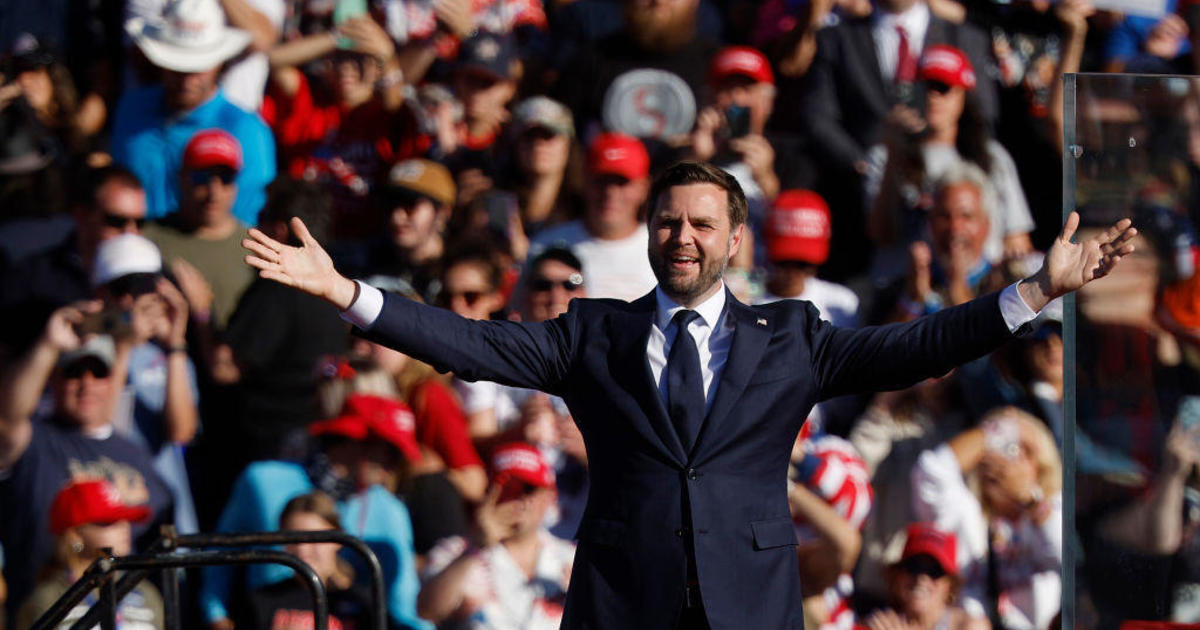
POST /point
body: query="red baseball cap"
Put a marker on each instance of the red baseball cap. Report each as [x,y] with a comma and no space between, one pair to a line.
[947,64]
[92,501]
[618,154]
[799,227]
[365,415]
[516,464]
[740,60]
[212,147]
[926,539]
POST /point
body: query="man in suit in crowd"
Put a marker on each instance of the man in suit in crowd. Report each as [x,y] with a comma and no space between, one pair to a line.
[689,435]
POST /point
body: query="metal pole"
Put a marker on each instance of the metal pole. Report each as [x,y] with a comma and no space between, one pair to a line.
[75,594]
[170,585]
[140,564]
[108,595]
[378,589]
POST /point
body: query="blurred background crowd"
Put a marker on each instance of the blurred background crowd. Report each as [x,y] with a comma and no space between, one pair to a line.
[492,157]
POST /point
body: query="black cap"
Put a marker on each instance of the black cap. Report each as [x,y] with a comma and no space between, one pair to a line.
[488,53]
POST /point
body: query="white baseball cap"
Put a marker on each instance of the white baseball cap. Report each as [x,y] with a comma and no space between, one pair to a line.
[123,255]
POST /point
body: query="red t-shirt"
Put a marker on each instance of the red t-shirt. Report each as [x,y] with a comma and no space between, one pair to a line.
[346,149]
[442,425]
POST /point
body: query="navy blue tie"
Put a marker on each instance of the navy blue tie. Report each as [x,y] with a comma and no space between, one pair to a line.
[685,385]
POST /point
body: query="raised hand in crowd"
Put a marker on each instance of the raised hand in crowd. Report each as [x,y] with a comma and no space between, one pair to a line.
[1154,524]
[888,619]
[195,289]
[920,272]
[368,37]
[22,387]
[754,149]
[758,154]
[455,16]
[494,521]
[1167,37]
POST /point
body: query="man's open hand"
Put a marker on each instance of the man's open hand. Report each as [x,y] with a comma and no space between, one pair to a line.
[1068,266]
[307,267]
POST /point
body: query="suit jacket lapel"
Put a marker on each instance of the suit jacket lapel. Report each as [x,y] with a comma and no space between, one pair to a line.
[750,337]
[865,44]
[629,332]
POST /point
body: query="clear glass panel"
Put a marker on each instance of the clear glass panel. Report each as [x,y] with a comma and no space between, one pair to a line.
[1133,540]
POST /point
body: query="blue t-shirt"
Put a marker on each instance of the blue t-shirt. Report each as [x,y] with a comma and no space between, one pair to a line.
[147,401]
[374,515]
[1129,36]
[150,142]
[56,456]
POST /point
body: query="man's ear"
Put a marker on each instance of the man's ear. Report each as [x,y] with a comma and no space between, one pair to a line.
[735,240]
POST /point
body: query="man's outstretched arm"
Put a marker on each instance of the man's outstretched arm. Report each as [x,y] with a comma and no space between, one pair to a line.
[895,356]
[525,355]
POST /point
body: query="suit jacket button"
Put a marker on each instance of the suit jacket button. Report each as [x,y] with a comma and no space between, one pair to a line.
[692,474]
[679,532]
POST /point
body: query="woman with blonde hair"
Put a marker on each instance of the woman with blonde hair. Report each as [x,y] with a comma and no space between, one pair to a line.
[996,487]
[287,605]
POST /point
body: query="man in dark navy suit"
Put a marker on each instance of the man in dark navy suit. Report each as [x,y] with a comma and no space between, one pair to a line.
[689,401]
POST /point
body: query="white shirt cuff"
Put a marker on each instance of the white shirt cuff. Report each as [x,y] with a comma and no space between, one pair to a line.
[1013,309]
[366,308]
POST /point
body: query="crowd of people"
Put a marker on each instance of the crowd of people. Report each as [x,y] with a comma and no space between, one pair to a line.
[493,158]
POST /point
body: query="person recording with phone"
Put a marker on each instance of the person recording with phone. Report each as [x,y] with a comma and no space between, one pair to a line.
[941,125]
[83,358]
[729,132]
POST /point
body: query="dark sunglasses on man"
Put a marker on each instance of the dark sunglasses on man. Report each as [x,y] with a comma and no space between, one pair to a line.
[201,177]
[122,223]
[470,297]
[572,282]
[92,366]
[938,86]
[134,284]
[923,565]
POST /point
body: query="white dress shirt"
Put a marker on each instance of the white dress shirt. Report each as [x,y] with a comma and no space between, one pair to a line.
[712,333]
[914,21]
[712,330]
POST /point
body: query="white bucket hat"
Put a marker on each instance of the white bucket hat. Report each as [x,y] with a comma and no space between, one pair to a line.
[191,36]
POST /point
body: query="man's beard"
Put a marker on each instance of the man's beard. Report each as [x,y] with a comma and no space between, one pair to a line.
[684,290]
[658,34]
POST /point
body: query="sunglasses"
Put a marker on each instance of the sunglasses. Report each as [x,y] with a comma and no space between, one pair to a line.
[517,490]
[537,132]
[572,283]
[203,176]
[470,297]
[938,86]
[923,565]
[119,222]
[88,366]
[135,284]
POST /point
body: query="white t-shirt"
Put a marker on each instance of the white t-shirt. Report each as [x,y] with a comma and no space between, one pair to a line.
[836,304]
[497,595]
[1029,555]
[245,80]
[484,395]
[611,269]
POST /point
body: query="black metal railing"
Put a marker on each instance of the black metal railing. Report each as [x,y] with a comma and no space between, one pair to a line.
[173,552]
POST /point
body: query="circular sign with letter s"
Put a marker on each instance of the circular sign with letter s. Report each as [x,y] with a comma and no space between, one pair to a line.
[649,103]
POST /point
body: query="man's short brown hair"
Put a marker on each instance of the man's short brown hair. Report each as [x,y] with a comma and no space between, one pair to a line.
[687,173]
